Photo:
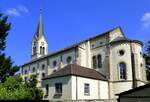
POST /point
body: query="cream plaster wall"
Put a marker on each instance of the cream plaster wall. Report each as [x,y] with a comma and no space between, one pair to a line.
[82,55]
[140,68]
[115,59]
[38,44]
[122,86]
[115,34]
[98,89]
[66,87]
[103,90]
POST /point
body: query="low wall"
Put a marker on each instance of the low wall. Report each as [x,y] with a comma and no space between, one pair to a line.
[96,100]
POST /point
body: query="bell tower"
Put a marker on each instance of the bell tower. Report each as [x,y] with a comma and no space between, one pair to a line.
[39,43]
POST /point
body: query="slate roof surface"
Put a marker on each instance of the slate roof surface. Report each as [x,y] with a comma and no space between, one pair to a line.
[76,70]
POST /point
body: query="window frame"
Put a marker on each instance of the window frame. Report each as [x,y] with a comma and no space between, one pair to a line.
[99,61]
[94,61]
[47,89]
[121,52]
[58,89]
[40,49]
[54,63]
[86,89]
[33,70]
[43,75]
[43,66]
[68,59]
[122,71]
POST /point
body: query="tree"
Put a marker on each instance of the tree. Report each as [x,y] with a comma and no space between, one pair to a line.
[36,93]
[147,54]
[4,28]
[12,87]
[147,59]
[6,65]
[15,89]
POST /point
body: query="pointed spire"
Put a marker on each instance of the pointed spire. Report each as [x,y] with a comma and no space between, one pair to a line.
[40,31]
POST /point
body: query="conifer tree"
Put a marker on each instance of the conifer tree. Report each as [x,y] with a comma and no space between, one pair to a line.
[147,59]
[6,64]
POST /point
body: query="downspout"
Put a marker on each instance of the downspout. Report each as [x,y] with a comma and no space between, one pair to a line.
[108,70]
[98,89]
[76,88]
[134,85]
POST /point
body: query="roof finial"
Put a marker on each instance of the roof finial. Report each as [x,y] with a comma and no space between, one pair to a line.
[40,6]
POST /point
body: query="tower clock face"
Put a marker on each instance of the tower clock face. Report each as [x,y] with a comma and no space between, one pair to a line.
[42,43]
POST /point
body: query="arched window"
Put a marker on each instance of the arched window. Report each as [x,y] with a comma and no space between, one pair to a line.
[94,62]
[43,75]
[99,59]
[43,67]
[122,69]
[33,70]
[34,50]
[54,63]
[68,59]
[43,51]
[40,49]
[25,72]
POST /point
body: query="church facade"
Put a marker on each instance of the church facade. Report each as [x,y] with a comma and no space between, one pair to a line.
[97,68]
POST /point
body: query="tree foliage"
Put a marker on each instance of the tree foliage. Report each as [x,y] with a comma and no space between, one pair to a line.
[15,89]
[4,28]
[147,54]
[6,64]
[147,59]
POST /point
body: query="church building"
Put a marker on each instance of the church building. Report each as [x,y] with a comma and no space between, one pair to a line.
[96,68]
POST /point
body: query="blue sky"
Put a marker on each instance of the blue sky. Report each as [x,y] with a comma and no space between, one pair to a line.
[69,21]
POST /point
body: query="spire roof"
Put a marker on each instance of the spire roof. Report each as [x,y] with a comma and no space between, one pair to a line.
[40,31]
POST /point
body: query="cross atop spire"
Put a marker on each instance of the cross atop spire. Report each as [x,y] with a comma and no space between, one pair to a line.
[40,6]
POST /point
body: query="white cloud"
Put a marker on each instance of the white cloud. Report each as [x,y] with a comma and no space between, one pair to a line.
[17,11]
[146,20]
[23,9]
[13,12]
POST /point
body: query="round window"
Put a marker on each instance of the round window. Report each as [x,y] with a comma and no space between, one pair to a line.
[121,52]
[69,59]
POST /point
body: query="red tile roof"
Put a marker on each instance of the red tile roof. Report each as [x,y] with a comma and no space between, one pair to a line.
[76,70]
